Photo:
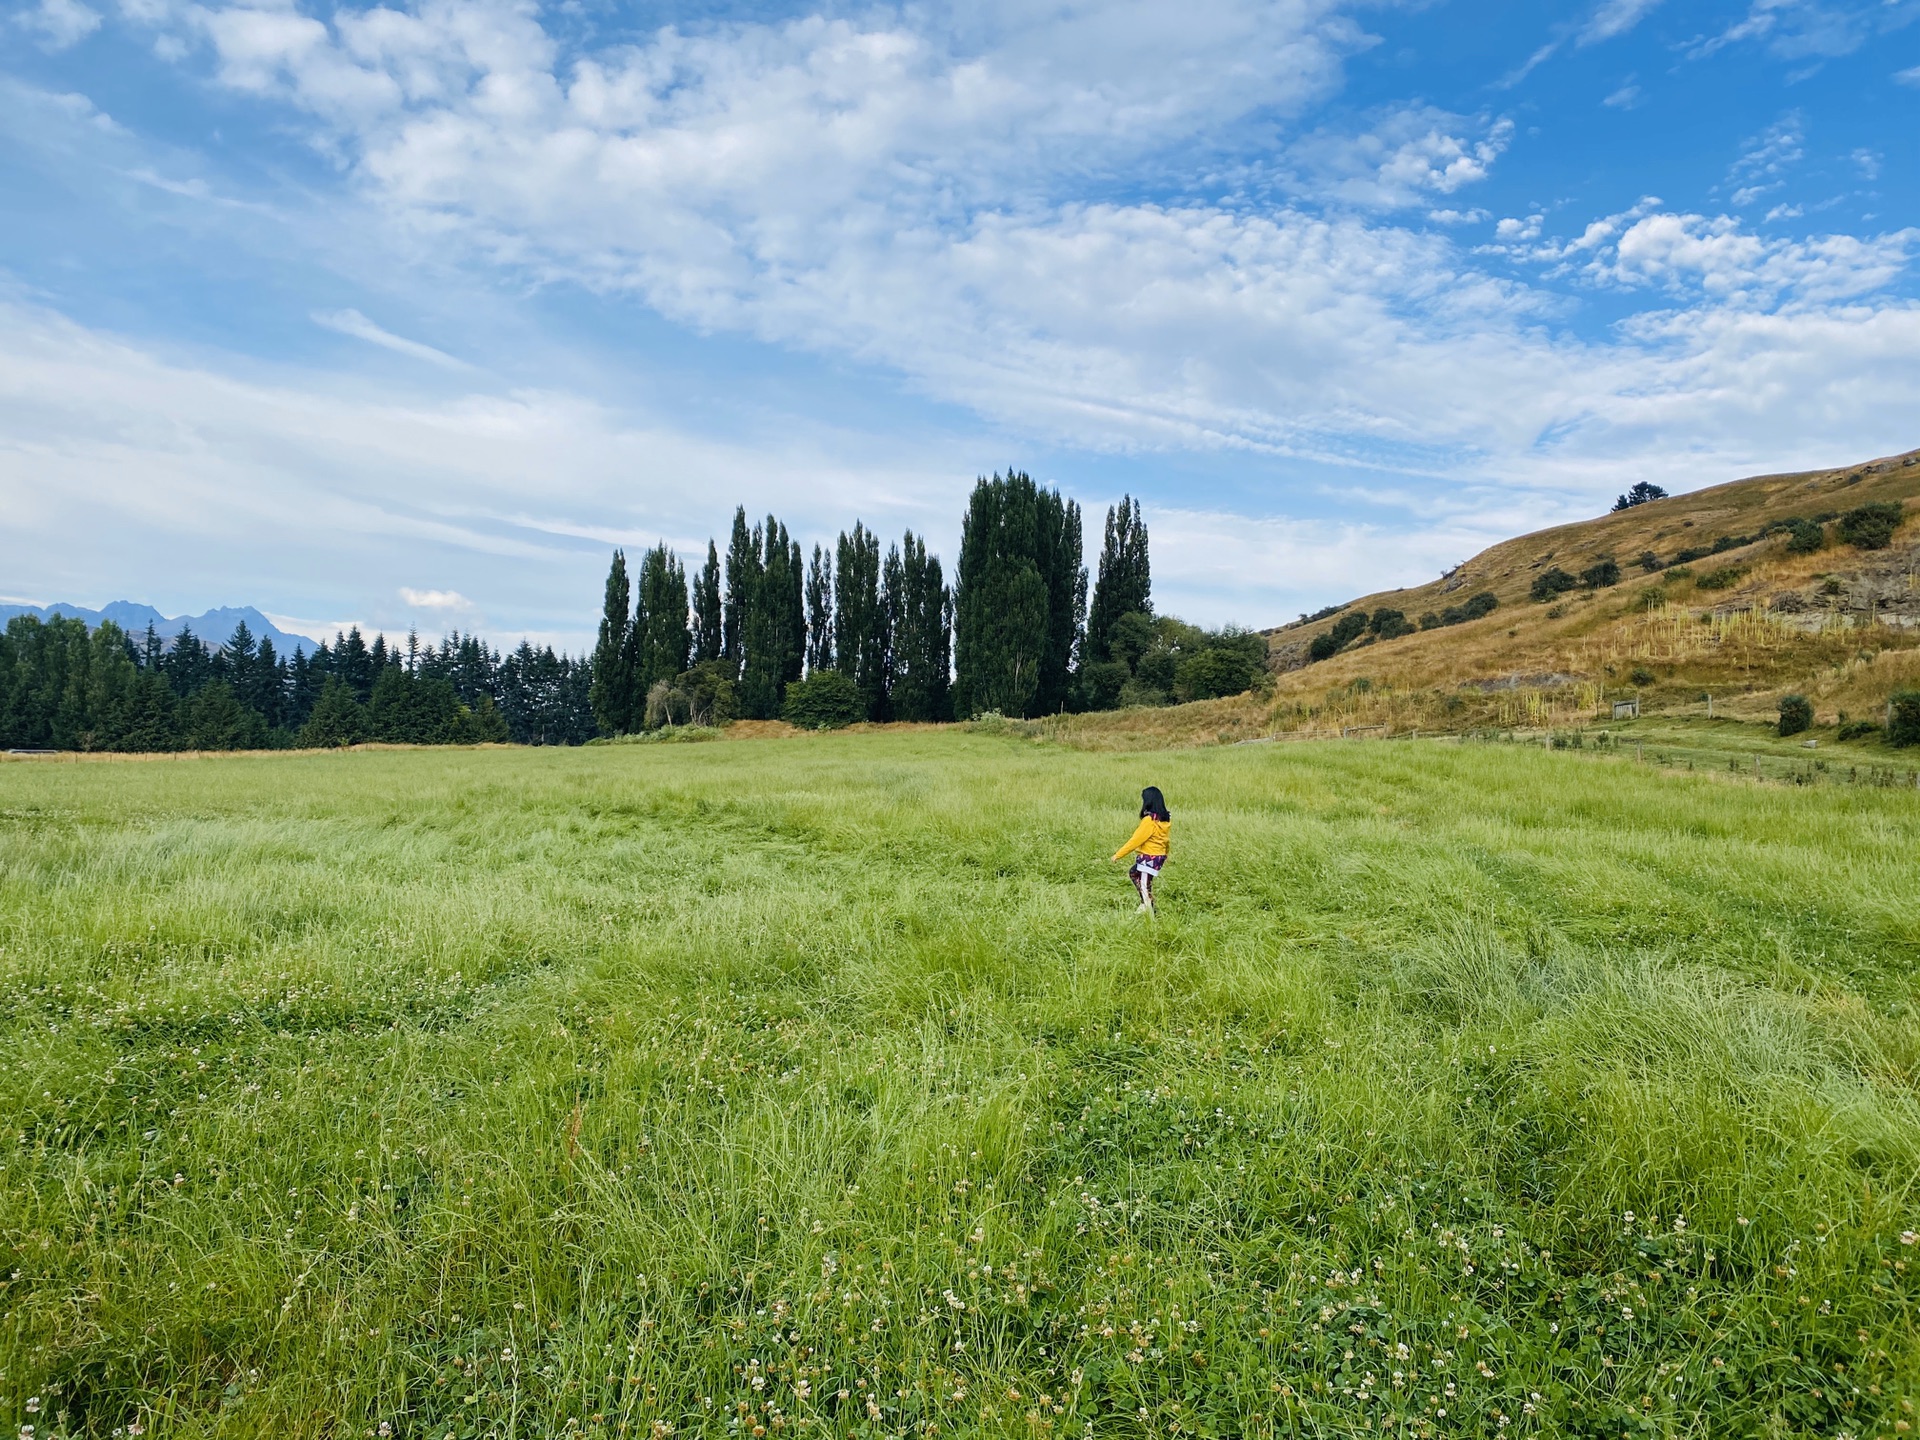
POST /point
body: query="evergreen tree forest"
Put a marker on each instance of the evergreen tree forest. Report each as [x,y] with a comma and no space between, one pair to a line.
[862,630]
[65,687]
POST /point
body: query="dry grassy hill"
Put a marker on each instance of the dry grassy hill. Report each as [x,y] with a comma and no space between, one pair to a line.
[1742,620]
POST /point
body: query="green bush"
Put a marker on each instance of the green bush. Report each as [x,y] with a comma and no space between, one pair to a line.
[1100,684]
[1551,583]
[1903,727]
[825,700]
[1725,578]
[1870,527]
[1345,631]
[1649,561]
[1805,538]
[1642,676]
[1796,715]
[1214,672]
[1484,603]
[1390,624]
[1601,575]
[1858,730]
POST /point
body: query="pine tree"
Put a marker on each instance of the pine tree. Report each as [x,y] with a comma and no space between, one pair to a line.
[1019,595]
[819,612]
[612,692]
[660,638]
[860,618]
[352,663]
[338,717]
[708,630]
[1125,585]
[919,622]
[187,664]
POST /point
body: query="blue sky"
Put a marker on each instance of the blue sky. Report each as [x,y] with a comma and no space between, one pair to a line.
[407,315]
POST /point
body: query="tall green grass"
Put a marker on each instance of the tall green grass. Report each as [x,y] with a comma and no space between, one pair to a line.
[833,1087]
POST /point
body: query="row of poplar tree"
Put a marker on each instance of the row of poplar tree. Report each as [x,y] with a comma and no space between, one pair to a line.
[850,634]
[65,687]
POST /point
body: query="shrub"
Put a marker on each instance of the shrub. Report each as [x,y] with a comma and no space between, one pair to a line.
[1832,586]
[1805,538]
[1680,572]
[1600,576]
[1858,729]
[1100,684]
[1640,675]
[1640,494]
[1484,603]
[1649,561]
[1214,672]
[1870,527]
[825,700]
[1796,715]
[1550,583]
[1345,631]
[1431,621]
[1903,726]
[1388,624]
[1725,578]
[1692,553]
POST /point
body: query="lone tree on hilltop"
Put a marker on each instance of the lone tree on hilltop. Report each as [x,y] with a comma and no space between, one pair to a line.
[1640,494]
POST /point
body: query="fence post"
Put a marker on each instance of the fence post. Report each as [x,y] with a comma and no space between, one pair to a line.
[1756,767]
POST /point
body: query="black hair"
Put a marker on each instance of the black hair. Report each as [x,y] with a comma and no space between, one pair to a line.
[1153,803]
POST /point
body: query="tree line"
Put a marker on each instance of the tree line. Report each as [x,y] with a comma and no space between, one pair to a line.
[65,687]
[853,634]
[863,630]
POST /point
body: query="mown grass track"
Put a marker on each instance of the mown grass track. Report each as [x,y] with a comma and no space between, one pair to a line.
[831,1086]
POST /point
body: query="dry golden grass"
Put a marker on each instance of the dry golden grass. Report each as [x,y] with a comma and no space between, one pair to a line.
[1531,664]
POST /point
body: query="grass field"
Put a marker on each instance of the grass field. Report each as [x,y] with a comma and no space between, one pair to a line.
[831,1086]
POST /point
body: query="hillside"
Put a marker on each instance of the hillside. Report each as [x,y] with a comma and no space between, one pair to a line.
[1708,601]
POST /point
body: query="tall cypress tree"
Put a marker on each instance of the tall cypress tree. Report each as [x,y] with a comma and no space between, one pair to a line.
[1125,586]
[1019,594]
[612,692]
[660,640]
[743,583]
[775,627]
[708,629]
[860,618]
[1058,551]
[819,612]
[919,623]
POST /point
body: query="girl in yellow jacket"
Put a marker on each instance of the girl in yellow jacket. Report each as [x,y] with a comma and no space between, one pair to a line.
[1150,839]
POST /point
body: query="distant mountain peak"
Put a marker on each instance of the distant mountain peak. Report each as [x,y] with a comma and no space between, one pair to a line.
[212,626]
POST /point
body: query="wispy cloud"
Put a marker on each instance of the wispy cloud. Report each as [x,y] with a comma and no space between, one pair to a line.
[1908,77]
[1615,17]
[352,322]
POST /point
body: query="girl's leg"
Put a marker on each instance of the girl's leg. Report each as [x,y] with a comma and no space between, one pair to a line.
[1146,877]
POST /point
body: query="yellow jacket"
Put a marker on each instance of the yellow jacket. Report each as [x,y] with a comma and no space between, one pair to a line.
[1149,839]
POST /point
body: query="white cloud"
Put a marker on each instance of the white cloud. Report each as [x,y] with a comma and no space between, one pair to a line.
[353,323]
[434,599]
[60,24]
[1624,98]
[1615,17]
[1407,158]
[1908,77]
[1774,151]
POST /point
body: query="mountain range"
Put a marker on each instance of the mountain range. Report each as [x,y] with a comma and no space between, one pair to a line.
[213,627]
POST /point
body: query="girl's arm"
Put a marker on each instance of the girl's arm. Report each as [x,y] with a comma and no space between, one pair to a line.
[1139,835]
